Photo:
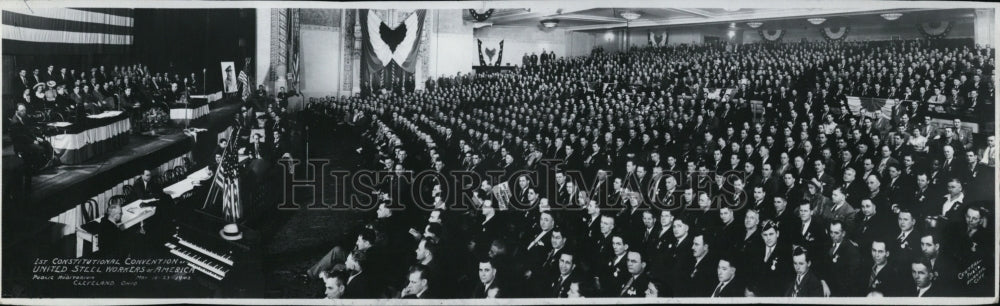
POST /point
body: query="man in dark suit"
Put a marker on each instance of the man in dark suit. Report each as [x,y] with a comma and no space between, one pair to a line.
[615,271]
[145,187]
[924,277]
[360,283]
[335,283]
[842,266]
[50,74]
[944,266]
[489,229]
[924,198]
[568,274]
[808,232]
[771,266]
[23,81]
[884,277]
[694,277]
[487,279]
[728,285]
[281,146]
[108,228]
[907,238]
[730,231]
[805,283]
[636,282]
[418,284]
[870,224]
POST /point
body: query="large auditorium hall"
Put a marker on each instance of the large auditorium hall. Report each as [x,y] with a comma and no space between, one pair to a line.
[499,152]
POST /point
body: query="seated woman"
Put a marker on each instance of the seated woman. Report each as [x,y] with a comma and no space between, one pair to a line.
[918,141]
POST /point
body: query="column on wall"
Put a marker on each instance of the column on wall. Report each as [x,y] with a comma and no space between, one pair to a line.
[279,48]
[262,56]
[985,27]
[356,53]
[423,56]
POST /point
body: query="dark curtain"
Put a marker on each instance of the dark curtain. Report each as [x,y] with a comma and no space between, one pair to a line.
[182,41]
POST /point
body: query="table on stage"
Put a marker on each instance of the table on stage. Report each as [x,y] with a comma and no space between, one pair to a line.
[132,214]
[75,143]
[178,189]
[192,110]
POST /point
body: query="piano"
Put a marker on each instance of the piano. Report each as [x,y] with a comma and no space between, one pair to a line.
[228,268]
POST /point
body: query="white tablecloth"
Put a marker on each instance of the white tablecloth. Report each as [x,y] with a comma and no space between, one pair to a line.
[73,217]
[133,213]
[76,141]
[188,113]
[185,185]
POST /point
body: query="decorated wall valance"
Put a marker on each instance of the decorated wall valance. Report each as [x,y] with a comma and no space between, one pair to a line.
[771,35]
[480,17]
[494,56]
[653,41]
[935,30]
[835,33]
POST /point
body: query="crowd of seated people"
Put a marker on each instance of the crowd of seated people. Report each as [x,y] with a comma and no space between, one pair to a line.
[664,191]
[73,95]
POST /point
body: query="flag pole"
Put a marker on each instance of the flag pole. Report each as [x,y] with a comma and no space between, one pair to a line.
[212,196]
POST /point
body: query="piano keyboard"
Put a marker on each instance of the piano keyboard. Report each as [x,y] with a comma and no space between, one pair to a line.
[201,261]
[220,257]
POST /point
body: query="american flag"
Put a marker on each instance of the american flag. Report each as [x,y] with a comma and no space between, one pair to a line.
[245,80]
[229,171]
[231,199]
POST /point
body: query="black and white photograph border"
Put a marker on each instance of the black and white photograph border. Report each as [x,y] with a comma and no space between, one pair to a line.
[499,152]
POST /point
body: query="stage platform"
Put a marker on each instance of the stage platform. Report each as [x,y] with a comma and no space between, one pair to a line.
[60,188]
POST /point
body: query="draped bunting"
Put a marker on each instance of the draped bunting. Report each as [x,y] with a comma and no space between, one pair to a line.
[389,54]
[481,17]
[658,43]
[868,106]
[834,35]
[66,31]
[771,35]
[479,48]
[490,60]
[500,54]
[382,45]
[935,30]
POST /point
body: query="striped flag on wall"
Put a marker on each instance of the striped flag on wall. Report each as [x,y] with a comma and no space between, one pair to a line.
[66,30]
[246,84]
[245,80]
[231,198]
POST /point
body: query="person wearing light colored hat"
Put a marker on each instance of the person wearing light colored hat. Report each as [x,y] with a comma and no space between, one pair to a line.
[50,91]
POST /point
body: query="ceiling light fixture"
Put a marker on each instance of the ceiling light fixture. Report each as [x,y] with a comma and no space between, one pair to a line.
[816,21]
[630,15]
[755,24]
[891,16]
[550,23]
